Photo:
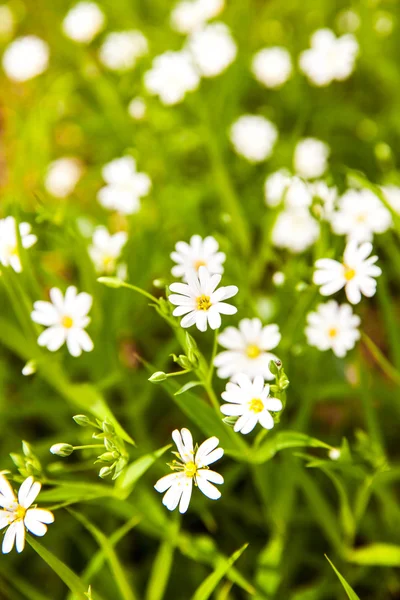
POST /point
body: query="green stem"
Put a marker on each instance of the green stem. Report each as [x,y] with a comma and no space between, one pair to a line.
[212,395]
[213,354]
[381,360]
[88,446]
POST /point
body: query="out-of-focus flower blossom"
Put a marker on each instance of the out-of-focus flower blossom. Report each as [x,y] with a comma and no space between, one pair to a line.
[272,66]
[125,186]
[253,137]
[9,252]
[200,300]
[137,108]
[250,401]
[213,49]
[62,176]
[198,253]
[356,273]
[121,50]
[311,158]
[83,22]
[333,327]
[106,249]
[189,15]
[25,58]
[172,75]
[360,215]
[291,190]
[248,349]
[295,229]
[65,318]
[329,58]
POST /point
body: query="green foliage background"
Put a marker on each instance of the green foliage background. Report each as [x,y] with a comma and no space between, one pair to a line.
[290,508]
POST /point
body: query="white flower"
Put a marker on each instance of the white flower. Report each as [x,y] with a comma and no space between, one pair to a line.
[192,467]
[62,176]
[329,57]
[250,401]
[106,249]
[356,273]
[272,66]
[253,137]
[121,50]
[392,195]
[333,326]
[295,230]
[281,186]
[65,319]
[310,158]
[137,108]
[25,58]
[172,75]
[360,214]
[189,15]
[125,186]
[213,49]
[248,349]
[83,22]
[9,252]
[18,514]
[200,301]
[199,252]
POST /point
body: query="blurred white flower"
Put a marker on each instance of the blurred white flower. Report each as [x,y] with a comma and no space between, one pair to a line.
[291,190]
[9,252]
[272,66]
[253,137]
[25,58]
[62,176]
[333,327]
[250,401]
[200,300]
[356,273]
[121,50]
[334,453]
[137,108]
[329,58]
[172,75]
[192,467]
[198,253]
[65,319]
[189,15]
[295,229]
[7,21]
[392,195]
[125,186]
[278,278]
[83,22]
[17,515]
[311,158]
[106,249]
[328,195]
[248,349]
[213,49]
[360,215]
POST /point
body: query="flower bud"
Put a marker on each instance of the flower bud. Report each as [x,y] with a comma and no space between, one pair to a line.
[275,366]
[190,342]
[82,420]
[112,282]
[108,428]
[158,377]
[106,457]
[105,472]
[29,368]
[62,449]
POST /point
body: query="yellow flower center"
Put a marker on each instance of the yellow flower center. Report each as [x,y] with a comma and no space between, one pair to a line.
[199,263]
[253,351]
[19,513]
[256,405]
[190,469]
[332,332]
[203,302]
[349,273]
[67,322]
[12,250]
[107,260]
[361,218]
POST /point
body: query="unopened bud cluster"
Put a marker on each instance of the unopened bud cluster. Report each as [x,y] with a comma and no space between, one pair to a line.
[27,463]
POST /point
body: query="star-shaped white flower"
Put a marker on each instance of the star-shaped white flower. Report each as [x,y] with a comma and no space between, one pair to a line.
[356,273]
[18,513]
[248,349]
[198,253]
[360,215]
[125,186]
[9,253]
[333,327]
[106,249]
[65,319]
[191,468]
[200,300]
[250,401]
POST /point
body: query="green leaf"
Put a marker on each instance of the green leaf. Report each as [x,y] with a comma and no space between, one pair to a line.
[65,574]
[348,589]
[208,586]
[283,440]
[381,555]
[188,386]
[110,554]
[162,565]
[134,471]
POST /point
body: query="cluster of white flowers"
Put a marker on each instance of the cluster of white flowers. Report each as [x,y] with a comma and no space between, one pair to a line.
[253,137]
[26,58]
[125,186]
